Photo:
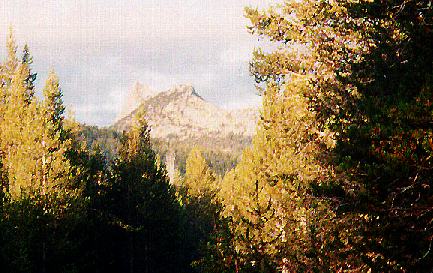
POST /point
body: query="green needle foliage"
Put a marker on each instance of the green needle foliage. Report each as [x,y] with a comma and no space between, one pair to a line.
[367,67]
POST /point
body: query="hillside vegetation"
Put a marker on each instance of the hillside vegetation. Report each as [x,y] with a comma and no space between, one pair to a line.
[221,153]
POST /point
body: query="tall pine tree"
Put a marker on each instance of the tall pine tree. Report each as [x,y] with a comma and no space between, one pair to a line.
[144,207]
[53,104]
[27,61]
[370,81]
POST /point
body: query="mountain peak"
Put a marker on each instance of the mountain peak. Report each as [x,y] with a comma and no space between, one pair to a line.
[182,113]
[186,89]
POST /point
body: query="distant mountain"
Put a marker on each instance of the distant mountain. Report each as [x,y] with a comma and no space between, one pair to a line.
[180,119]
[181,113]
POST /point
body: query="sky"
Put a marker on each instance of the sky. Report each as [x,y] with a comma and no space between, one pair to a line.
[100,48]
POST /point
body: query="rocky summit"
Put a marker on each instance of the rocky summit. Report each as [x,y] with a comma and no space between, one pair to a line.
[181,113]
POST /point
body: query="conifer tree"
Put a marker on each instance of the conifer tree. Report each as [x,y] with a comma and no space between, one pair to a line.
[34,154]
[268,195]
[27,60]
[12,61]
[370,72]
[7,70]
[15,115]
[144,206]
[53,104]
[199,178]
[55,164]
[198,193]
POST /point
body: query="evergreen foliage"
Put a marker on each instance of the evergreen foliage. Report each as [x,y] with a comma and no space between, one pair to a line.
[368,71]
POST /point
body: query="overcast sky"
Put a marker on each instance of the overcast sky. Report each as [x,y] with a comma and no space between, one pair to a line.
[100,48]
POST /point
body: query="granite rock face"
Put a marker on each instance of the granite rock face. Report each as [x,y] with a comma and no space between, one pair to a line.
[181,113]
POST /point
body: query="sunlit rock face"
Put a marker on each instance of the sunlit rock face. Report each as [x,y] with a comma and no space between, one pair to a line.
[182,113]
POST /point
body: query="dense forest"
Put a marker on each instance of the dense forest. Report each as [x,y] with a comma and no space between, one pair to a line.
[338,177]
[213,148]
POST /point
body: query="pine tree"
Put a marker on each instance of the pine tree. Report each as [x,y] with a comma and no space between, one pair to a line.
[369,71]
[384,138]
[55,165]
[27,61]
[199,179]
[15,115]
[34,154]
[7,70]
[53,104]
[144,206]
[12,61]
[198,193]
[280,221]
[268,195]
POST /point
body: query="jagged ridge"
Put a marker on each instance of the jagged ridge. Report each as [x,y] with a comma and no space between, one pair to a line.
[182,113]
